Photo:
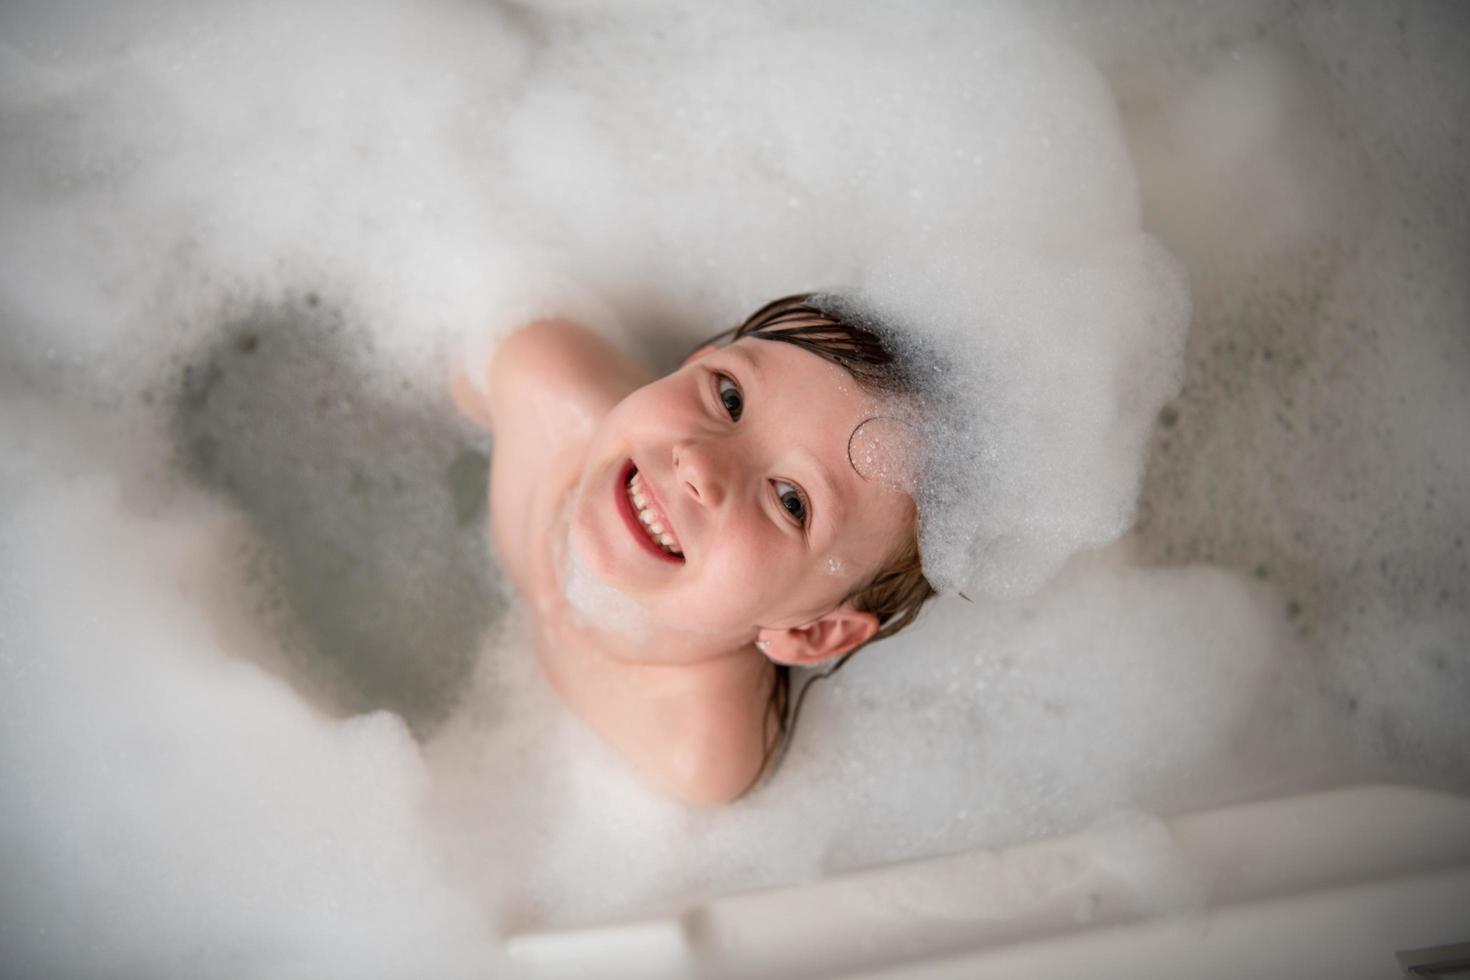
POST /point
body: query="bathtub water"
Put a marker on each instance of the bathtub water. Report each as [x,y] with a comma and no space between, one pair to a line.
[265,707]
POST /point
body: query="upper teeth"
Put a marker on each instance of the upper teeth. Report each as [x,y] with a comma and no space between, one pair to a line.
[648,518]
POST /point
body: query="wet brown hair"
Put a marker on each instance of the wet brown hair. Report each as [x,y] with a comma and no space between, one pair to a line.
[835,330]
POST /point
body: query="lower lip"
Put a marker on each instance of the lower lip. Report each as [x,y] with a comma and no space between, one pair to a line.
[635,527]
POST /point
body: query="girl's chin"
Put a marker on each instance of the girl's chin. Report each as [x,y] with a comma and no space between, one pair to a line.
[611,561]
[591,549]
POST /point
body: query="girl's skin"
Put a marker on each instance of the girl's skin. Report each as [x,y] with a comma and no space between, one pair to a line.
[759,505]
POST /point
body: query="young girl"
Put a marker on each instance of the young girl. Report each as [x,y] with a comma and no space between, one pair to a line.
[683,541]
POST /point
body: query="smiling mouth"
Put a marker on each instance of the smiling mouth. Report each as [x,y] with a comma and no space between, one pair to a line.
[642,514]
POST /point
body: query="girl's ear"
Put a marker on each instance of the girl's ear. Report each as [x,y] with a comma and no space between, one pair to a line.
[825,638]
[706,349]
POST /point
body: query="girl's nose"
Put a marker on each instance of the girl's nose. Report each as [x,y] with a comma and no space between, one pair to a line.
[699,473]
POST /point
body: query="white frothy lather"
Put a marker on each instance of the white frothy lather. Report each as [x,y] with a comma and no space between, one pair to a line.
[1293,610]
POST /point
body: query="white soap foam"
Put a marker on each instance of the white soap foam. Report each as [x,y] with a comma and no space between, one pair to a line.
[168,800]
[886,450]
[1292,612]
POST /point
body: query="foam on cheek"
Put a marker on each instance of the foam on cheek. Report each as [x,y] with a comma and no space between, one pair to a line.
[597,604]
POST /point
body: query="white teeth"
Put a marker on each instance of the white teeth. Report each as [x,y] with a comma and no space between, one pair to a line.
[648,518]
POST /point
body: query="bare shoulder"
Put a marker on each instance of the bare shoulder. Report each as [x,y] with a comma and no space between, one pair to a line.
[558,371]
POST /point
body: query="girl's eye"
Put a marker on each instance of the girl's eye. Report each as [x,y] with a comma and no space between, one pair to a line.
[730,396]
[792,501]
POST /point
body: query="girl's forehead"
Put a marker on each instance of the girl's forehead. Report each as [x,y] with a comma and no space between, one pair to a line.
[867,444]
[813,376]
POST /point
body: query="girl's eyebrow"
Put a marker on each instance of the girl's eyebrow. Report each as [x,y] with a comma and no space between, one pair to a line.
[744,357]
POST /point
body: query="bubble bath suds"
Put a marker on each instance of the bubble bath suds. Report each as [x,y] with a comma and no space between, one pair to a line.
[266,706]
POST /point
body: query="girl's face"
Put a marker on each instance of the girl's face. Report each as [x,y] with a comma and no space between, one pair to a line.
[741,461]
